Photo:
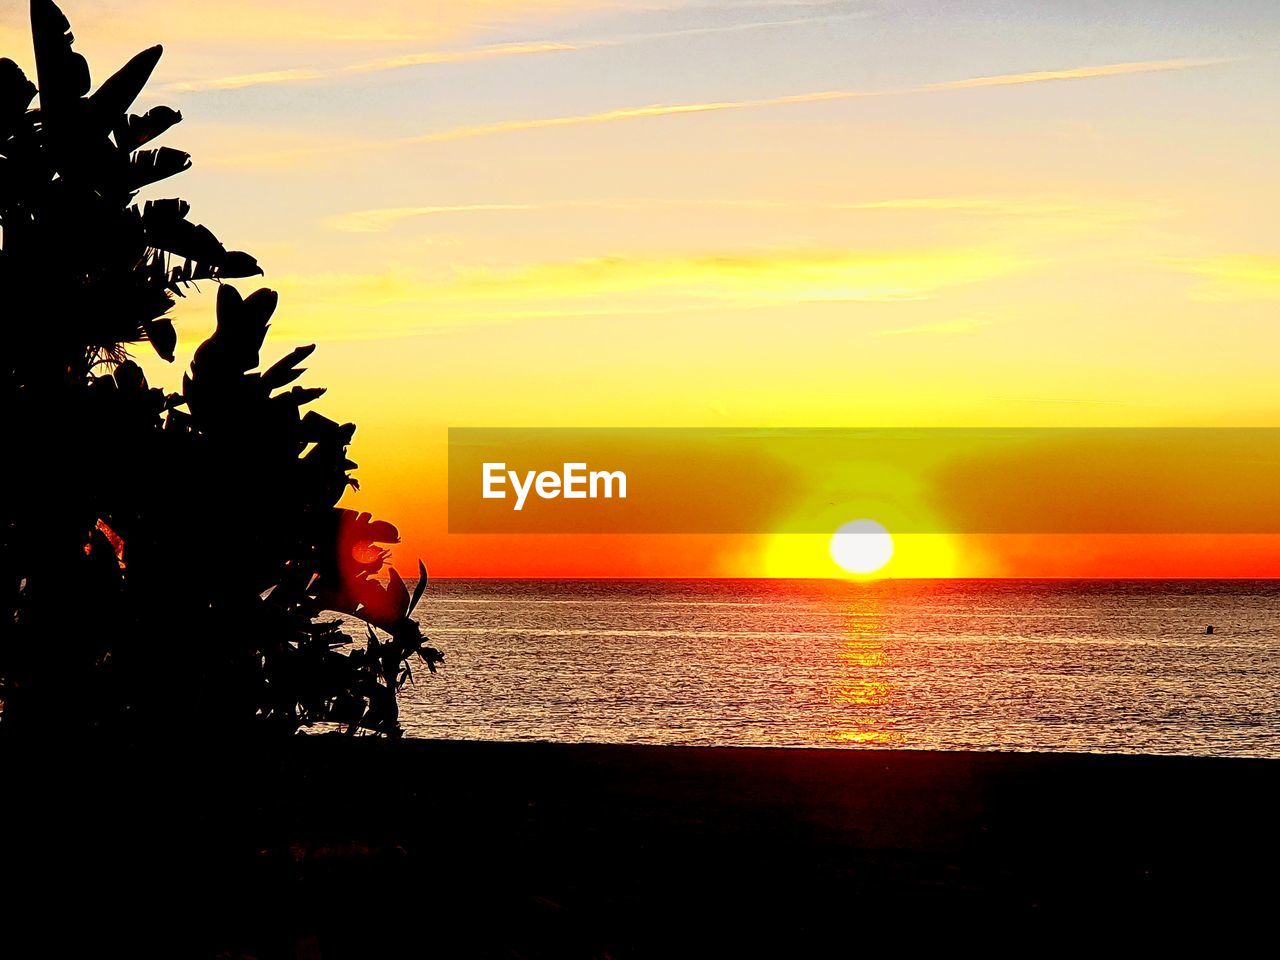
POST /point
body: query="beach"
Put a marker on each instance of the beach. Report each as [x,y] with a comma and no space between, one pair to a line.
[327,847]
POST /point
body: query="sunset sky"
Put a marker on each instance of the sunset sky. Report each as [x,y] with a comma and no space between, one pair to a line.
[759,214]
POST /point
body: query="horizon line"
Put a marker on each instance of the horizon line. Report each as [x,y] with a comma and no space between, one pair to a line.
[863,582]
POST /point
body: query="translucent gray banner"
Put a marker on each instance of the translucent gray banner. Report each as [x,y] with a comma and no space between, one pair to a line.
[976,480]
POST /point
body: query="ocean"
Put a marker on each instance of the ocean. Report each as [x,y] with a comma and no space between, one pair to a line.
[1081,666]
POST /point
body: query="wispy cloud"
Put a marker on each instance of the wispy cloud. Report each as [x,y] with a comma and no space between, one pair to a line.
[1074,73]
[1234,277]
[396,303]
[326,25]
[380,219]
[820,96]
[627,113]
[240,81]
[653,111]
[984,205]
[786,276]
[537,47]
[432,57]
[494,51]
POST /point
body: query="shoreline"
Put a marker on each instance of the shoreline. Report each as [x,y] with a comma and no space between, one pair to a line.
[1078,755]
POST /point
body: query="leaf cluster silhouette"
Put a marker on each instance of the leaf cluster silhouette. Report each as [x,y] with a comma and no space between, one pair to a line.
[167,561]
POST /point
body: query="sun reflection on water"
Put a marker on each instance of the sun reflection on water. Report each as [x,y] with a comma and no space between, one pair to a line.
[861,692]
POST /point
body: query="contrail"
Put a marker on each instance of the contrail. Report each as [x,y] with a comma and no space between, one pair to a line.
[720,106]
[666,110]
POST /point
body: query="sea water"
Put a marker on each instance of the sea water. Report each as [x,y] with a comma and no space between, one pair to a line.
[1095,666]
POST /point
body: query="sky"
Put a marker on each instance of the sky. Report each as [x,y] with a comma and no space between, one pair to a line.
[544,213]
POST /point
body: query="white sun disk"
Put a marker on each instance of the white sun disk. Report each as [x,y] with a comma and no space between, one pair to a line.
[861,546]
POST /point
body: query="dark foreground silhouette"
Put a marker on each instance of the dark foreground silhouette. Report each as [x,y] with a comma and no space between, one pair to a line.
[168,562]
[326,847]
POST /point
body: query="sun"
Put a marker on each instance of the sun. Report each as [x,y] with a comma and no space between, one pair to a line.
[871,554]
[861,546]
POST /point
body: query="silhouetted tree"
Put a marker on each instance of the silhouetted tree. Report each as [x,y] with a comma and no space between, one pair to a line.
[166,560]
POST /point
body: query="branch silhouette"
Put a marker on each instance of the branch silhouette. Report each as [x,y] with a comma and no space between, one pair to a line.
[167,561]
